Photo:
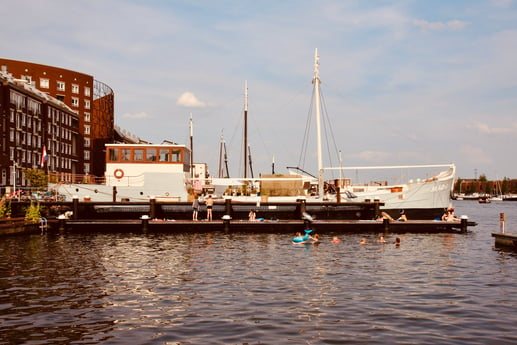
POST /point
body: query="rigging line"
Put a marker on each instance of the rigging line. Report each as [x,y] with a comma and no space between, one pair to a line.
[328,124]
[305,142]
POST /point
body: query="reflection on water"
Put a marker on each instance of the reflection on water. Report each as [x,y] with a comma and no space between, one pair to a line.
[259,288]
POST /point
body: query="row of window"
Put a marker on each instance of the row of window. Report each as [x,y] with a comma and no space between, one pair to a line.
[44,83]
[139,155]
[25,138]
[75,102]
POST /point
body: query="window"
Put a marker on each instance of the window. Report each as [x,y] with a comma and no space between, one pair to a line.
[75,88]
[164,155]
[87,91]
[86,104]
[75,101]
[151,155]
[86,142]
[86,168]
[176,155]
[44,83]
[113,155]
[125,154]
[86,117]
[86,129]
[87,155]
[61,86]
[138,154]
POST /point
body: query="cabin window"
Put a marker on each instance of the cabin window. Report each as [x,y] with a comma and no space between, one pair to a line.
[164,155]
[113,155]
[125,154]
[138,154]
[176,155]
[151,155]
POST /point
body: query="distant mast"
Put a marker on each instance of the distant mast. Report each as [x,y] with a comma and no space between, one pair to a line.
[245,129]
[316,81]
[191,129]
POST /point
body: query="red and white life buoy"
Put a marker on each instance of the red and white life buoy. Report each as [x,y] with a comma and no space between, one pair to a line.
[118,173]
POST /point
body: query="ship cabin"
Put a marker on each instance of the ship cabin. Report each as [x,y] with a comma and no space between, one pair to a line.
[127,163]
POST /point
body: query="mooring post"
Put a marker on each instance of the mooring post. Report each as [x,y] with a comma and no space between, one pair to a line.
[114,193]
[145,222]
[228,207]
[61,222]
[152,206]
[75,208]
[338,193]
[386,224]
[226,222]
[376,208]
[303,207]
[464,221]
[502,219]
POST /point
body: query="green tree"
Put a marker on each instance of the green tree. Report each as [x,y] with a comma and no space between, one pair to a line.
[482,178]
[37,178]
[5,208]
[33,213]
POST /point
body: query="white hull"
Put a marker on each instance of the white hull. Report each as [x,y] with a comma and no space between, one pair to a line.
[431,193]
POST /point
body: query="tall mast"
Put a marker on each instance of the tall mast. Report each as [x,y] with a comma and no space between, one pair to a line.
[316,81]
[245,129]
[191,129]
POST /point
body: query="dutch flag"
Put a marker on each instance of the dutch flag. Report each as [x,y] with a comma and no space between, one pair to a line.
[44,156]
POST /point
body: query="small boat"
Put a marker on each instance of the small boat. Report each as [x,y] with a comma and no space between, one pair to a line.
[484,200]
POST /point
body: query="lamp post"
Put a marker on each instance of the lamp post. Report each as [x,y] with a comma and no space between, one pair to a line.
[14,177]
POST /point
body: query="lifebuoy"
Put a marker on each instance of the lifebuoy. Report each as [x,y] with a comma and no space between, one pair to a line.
[118,173]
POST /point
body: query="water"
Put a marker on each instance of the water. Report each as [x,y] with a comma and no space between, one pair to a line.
[260,289]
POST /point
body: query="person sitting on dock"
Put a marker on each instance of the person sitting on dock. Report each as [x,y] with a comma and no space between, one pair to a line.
[403,217]
[449,215]
[251,216]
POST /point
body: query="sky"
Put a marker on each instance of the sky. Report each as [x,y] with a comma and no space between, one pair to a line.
[404,82]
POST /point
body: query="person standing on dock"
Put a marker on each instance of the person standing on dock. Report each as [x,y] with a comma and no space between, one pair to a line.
[195,208]
[209,205]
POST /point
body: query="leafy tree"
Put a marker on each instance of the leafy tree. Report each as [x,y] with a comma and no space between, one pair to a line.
[482,178]
[37,178]
[5,208]
[32,213]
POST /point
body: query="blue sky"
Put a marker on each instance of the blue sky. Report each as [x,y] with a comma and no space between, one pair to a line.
[404,82]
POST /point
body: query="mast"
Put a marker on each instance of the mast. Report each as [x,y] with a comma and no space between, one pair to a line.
[220,169]
[245,129]
[191,129]
[316,81]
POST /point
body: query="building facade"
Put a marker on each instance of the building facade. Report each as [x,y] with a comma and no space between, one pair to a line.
[37,131]
[91,100]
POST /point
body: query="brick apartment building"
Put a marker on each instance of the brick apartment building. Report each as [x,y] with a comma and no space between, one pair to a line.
[91,102]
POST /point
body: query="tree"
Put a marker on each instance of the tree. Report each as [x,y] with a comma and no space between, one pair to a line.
[37,178]
[482,178]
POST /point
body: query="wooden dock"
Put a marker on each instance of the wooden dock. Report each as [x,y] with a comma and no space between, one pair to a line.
[508,240]
[275,226]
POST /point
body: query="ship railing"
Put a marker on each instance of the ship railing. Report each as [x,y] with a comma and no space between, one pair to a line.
[62,178]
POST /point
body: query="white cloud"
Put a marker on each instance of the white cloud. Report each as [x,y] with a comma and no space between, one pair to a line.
[485,128]
[436,26]
[141,115]
[189,100]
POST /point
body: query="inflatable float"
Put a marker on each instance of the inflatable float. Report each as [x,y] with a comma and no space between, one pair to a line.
[304,239]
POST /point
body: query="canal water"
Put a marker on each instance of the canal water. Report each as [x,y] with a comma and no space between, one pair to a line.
[122,288]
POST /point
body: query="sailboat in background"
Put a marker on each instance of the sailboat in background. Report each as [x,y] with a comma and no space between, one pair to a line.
[419,198]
